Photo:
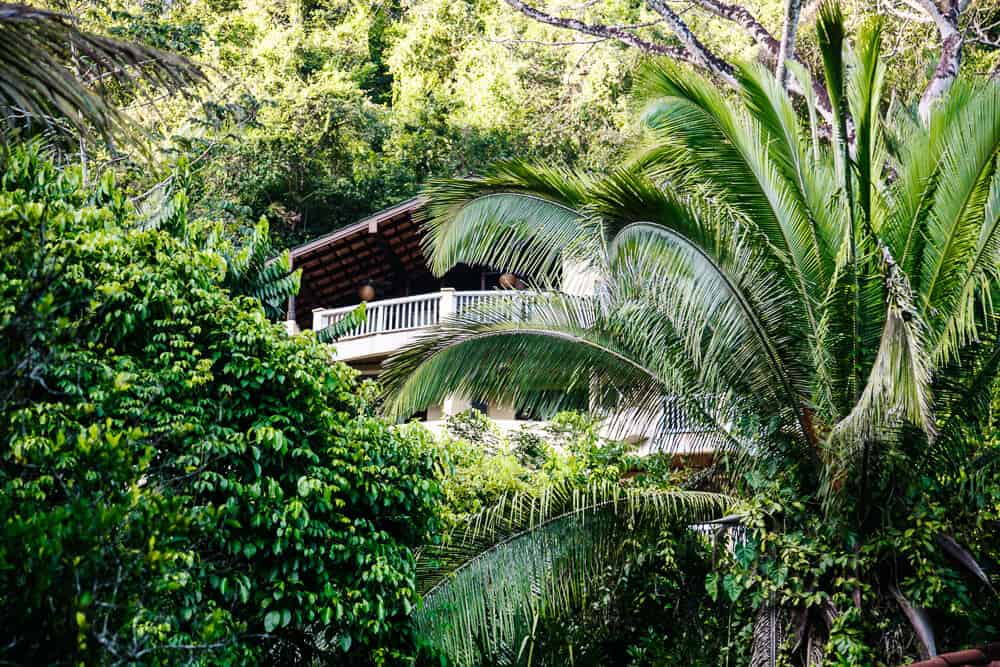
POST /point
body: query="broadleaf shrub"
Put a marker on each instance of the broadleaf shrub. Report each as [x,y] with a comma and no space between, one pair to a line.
[179,480]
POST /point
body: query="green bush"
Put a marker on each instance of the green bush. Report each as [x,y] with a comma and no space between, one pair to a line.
[179,480]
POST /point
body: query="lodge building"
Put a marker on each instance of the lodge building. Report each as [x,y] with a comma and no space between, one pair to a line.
[379,260]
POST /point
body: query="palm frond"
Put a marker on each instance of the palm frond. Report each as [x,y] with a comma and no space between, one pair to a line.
[517,349]
[731,298]
[963,391]
[252,271]
[865,96]
[516,218]
[39,50]
[537,556]
[898,387]
[343,326]
[700,138]
[963,233]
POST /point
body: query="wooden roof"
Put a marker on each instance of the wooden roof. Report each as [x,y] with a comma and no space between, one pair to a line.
[380,248]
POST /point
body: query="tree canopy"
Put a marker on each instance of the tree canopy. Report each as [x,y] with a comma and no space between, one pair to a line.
[323,112]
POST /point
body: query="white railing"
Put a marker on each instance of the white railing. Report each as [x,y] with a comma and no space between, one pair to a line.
[408,312]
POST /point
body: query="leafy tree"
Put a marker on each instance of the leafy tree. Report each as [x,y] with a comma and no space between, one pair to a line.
[317,118]
[252,267]
[321,113]
[180,481]
[834,300]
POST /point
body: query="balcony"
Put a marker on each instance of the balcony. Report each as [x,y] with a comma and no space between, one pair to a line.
[391,324]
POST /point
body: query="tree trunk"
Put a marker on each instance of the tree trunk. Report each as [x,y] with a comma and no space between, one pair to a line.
[816,638]
[787,49]
[767,636]
[951,55]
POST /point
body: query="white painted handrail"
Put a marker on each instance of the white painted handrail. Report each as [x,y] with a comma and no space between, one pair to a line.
[408,312]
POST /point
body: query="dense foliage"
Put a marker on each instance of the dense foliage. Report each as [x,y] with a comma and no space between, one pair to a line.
[635,597]
[322,112]
[179,480]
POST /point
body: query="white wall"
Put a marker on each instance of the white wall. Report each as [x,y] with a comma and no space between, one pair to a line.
[578,279]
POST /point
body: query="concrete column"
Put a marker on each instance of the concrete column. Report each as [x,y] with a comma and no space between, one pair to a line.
[502,412]
[447,306]
[578,278]
[452,405]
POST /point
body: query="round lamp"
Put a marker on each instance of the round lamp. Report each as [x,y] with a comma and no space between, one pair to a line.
[366,292]
[508,281]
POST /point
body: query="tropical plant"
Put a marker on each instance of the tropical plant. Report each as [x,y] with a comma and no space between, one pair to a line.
[562,542]
[180,481]
[543,555]
[834,298]
[53,74]
[252,267]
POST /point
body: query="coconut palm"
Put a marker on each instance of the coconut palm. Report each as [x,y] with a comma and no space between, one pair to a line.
[52,74]
[835,298]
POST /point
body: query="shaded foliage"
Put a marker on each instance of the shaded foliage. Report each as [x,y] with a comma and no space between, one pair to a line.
[55,76]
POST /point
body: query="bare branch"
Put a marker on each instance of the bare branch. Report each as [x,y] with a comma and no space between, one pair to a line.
[697,52]
[598,30]
[538,42]
[908,16]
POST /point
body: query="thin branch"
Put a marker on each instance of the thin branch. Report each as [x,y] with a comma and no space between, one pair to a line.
[697,52]
[538,42]
[743,18]
[599,30]
[909,16]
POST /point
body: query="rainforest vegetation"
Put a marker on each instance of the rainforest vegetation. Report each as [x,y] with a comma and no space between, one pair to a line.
[792,210]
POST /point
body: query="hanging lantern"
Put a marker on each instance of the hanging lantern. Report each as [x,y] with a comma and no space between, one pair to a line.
[509,281]
[366,292]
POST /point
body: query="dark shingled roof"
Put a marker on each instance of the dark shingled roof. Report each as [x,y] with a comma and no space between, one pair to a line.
[987,655]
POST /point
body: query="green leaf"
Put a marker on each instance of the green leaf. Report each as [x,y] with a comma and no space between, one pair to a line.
[271,620]
[712,586]
[732,587]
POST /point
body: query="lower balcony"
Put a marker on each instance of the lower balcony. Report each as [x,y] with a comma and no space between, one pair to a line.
[392,324]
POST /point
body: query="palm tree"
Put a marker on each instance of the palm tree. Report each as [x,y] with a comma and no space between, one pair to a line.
[836,296]
[52,74]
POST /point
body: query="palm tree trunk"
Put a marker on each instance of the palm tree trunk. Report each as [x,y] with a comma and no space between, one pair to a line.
[817,636]
[767,636]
